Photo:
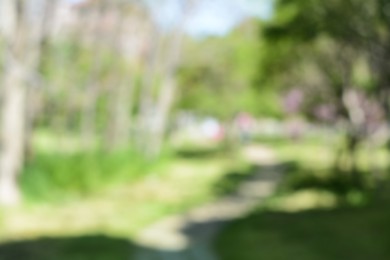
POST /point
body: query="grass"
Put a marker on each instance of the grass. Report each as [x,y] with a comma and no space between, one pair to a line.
[72,194]
[125,195]
[305,219]
[319,152]
[60,176]
[311,166]
[311,235]
[77,248]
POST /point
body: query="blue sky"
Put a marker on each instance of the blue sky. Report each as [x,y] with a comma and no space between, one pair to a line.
[210,17]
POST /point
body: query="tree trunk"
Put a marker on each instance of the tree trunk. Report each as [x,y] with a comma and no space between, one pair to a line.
[88,127]
[146,93]
[122,90]
[161,116]
[120,116]
[168,88]
[12,134]
[22,54]
[92,92]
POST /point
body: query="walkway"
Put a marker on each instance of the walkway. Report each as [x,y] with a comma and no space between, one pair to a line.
[190,236]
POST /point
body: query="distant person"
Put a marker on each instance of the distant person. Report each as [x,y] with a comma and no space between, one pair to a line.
[244,124]
[212,129]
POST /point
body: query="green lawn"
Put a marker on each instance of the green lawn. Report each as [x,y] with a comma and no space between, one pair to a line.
[62,218]
[127,195]
[122,199]
[312,235]
[304,220]
[71,248]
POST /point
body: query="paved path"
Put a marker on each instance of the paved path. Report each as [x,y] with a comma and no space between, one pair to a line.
[190,236]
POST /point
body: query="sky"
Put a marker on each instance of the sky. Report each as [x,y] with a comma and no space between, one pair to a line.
[208,17]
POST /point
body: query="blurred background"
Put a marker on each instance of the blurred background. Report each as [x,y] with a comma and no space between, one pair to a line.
[194,129]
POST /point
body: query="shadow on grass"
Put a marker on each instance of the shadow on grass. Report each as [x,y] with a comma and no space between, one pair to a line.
[83,248]
[230,181]
[338,182]
[200,153]
[311,235]
[233,179]
[342,233]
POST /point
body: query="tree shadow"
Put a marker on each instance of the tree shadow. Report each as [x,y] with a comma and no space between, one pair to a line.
[230,181]
[293,229]
[200,226]
[347,233]
[341,233]
[84,248]
[199,153]
[332,180]
[94,247]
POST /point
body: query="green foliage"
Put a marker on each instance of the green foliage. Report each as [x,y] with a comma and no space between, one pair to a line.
[333,37]
[217,76]
[66,90]
[57,176]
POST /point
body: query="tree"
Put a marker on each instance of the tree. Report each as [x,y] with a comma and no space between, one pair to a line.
[319,47]
[162,66]
[221,70]
[23,34]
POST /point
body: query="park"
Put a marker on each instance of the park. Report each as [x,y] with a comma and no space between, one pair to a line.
[194,129]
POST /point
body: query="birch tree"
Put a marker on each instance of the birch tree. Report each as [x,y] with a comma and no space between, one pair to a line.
[168,85]
[22,33]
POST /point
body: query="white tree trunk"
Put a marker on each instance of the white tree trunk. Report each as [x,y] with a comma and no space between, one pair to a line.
[122,98]
[12,134]
[7,18]
[23,34]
